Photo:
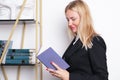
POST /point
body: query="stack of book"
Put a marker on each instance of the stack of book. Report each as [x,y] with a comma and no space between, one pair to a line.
[2,47]
[20,56]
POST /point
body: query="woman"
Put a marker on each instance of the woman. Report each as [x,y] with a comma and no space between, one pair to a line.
[86,54]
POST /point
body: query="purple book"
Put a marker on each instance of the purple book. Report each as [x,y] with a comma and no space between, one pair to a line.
[48,56]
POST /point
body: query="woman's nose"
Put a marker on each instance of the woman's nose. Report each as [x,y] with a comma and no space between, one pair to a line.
[69,23]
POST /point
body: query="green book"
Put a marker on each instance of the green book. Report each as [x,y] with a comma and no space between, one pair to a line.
[21,50]
[20,54]
[13,62]
[18,57]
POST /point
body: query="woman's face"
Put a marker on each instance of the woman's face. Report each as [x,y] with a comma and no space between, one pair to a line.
[73,19]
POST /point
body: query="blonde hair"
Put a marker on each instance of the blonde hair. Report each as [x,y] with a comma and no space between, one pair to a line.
[85,29]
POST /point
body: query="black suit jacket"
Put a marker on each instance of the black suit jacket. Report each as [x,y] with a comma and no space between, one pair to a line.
[88,64]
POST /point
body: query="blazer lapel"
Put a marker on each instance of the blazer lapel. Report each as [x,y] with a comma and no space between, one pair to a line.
[75,47]
[72,48]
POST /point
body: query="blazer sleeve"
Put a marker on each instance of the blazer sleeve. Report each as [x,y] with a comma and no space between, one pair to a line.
[97,58]
[98,61]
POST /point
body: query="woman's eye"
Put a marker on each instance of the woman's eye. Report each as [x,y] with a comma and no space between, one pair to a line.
[67,19]
[73,19]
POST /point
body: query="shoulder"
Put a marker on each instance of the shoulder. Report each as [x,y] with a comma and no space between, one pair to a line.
[98,42]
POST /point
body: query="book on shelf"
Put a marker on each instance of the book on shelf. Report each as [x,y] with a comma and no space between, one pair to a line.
[19,54]
[21,50]
[18,57]
[21,61]
[2,47]
[48,56]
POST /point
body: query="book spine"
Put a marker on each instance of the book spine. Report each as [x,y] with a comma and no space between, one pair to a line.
[18,57]
[1,50]
[18,62]
[19,54]
[20,50]
[2,45]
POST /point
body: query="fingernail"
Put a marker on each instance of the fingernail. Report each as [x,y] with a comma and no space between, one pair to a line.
[51,62]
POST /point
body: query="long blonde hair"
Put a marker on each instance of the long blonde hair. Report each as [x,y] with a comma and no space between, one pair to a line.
[85,29]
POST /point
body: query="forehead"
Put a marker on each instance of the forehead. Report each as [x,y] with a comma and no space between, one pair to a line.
[71,13]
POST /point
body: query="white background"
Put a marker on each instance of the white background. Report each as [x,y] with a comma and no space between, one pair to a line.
[106,19]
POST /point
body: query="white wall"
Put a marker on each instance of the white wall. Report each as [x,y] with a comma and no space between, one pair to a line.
[54,28]
[106,17]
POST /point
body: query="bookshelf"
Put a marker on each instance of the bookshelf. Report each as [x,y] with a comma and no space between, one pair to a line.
[21,17]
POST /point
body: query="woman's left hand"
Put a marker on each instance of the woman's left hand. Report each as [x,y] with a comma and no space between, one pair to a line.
[59,72]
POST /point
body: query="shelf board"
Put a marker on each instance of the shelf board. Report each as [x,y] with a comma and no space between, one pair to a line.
[17,64]
[20,21]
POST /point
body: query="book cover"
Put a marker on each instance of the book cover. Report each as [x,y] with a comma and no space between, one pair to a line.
[48,56]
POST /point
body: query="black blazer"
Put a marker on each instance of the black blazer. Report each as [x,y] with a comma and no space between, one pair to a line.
[88,64]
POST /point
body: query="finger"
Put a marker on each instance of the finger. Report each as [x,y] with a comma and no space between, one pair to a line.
[56,75]
[55,65]
[50,70]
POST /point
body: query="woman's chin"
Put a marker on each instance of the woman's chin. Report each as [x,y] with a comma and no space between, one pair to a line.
[73,30]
